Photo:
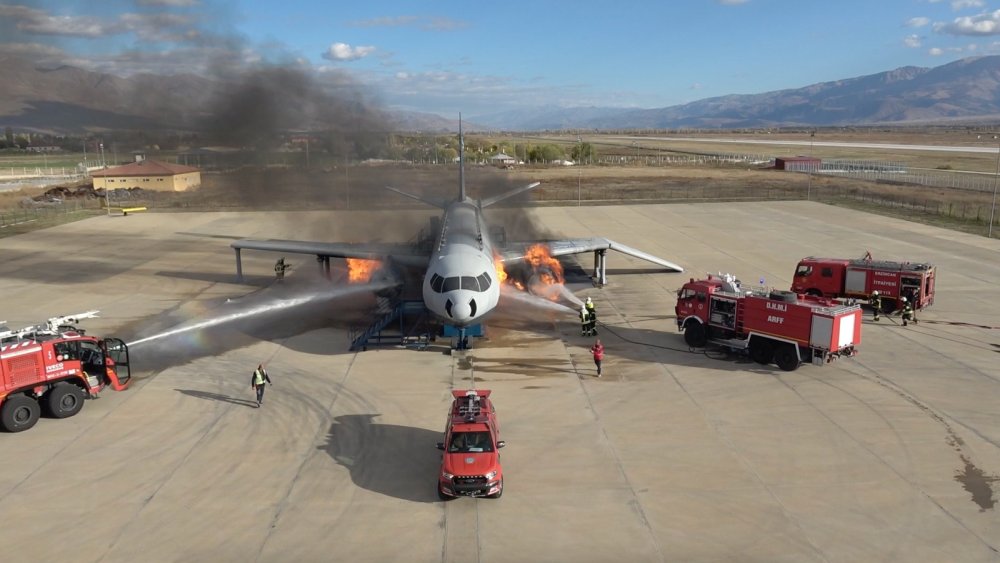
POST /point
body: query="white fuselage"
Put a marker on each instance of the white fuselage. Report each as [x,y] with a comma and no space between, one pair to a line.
[461,283]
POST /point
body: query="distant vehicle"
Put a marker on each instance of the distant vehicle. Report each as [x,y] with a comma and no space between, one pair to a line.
[470,465]
[54,367]
[858,278]
[772,326]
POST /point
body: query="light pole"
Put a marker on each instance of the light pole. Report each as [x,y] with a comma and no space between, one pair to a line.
[993,208]
[636,145]
[579,171]
[812,137]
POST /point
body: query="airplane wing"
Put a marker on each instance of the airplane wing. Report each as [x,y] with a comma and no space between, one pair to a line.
[516,251]
[405,254]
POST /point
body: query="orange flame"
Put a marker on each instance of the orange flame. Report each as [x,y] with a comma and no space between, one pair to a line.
[549,270]
[360,270]
[501,273]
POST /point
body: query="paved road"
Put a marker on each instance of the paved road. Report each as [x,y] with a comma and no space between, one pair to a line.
[671,455]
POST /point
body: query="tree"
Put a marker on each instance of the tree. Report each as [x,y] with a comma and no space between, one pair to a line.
[8,134]
[583,152]
[22,142]
[546,153]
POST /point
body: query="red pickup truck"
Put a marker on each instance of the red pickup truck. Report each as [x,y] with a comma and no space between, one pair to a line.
[470,465]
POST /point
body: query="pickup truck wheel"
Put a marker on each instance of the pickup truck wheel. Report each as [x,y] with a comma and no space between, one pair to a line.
[694,335]
[499,492]
[64,400]
[19,413]
[761,351]
[785,357]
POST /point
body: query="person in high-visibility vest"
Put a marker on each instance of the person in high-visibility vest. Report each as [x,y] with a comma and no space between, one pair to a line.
[279,268]
[258,380]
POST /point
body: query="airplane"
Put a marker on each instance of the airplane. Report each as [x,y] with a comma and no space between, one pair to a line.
[461,284]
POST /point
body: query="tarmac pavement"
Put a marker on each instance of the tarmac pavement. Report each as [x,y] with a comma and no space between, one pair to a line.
[672,455]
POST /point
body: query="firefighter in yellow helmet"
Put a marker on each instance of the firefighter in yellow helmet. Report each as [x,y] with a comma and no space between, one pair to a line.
[592,316]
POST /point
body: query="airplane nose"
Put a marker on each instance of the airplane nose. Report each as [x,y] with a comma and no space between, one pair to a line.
[461,311]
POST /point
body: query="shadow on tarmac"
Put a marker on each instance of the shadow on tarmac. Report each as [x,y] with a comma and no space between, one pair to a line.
[396,461]
[217,397]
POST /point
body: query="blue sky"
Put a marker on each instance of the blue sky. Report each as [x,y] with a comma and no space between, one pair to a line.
[448,56]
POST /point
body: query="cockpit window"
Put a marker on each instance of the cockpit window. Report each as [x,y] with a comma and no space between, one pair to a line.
[484,281]
[470,283]
[451,284]
[436,283]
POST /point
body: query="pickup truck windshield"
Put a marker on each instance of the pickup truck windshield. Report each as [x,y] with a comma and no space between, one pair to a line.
[470,442]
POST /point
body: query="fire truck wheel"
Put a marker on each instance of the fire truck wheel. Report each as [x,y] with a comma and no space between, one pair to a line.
[498,493]
[888,306]
[64,400]
[19,413]
[694,335]
[761,351]
[786,358]
[814,292]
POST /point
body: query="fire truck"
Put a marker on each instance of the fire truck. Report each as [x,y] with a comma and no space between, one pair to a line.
[772,326]
[858,278]
[53,367]
[470,465]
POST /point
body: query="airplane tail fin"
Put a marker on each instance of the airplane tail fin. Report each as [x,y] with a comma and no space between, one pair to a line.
[491,200]
[461,161]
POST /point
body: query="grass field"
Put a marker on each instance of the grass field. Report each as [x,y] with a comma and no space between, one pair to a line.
[360,186]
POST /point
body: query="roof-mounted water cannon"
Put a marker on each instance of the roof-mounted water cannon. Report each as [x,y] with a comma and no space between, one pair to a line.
[53,326]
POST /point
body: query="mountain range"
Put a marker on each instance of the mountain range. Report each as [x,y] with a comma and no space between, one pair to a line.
[65,99]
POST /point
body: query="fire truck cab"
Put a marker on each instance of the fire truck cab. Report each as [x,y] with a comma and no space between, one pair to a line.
[777,326]
[858,278]
[470,465]
[53,367]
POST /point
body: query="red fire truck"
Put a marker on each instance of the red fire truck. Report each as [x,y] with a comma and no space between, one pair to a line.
[777,326]
[54,367]
[470,465]
[858,278]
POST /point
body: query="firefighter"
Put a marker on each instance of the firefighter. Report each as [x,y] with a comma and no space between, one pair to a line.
[258,380]
[279,268]
[592,314]
[584,322]
[876,303]
[908,312]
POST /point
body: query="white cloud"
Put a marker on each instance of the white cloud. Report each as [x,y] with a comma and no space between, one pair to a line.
[696,86]
[344,52]
[917,22]
[982,24]
[912,41]
[963,4]
[35,51]
[935,52]
[31,20]
[386,21]
[426,23]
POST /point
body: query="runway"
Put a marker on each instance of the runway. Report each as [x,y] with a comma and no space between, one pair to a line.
[671,456]
[813,143]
